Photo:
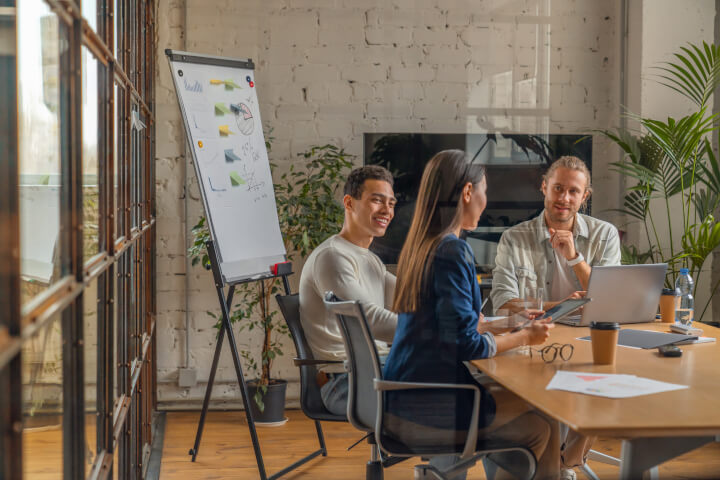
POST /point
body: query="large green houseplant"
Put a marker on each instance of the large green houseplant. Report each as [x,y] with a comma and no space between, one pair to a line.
[308,213]
[673,158]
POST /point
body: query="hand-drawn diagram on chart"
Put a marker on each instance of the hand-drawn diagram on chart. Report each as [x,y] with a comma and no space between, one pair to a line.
[250,153]
[191,86]
[199,118]
[218,183]
[243,117]
[248,175]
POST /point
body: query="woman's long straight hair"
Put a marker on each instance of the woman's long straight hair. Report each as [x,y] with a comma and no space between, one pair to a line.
[437,213]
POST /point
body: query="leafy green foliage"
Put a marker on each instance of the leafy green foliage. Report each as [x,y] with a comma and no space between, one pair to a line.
[197,251]
[674,157]
[308,213]
[631,256]
[696,75]
[306,198]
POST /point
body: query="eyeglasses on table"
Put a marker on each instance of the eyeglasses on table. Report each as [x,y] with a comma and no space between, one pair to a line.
[550,352]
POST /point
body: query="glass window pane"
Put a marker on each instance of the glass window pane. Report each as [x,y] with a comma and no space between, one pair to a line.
[116,30]
[91,132]
[90,352]
[89,12]
[116,161]
[136,149]
[121,146]
[133,329]
[42,402]
[39,146]
[116,320]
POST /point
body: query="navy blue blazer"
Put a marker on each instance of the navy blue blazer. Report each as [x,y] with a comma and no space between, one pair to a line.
[431,344]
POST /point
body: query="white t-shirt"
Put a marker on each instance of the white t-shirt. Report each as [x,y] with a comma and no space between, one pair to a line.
[562,284]
[352,273]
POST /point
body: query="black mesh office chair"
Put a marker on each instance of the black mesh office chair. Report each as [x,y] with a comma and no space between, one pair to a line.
[310,400]
[402,438]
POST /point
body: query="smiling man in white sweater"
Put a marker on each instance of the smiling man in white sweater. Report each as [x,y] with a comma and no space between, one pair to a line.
[344,265]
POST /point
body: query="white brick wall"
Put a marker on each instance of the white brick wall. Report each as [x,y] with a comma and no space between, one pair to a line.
[331,70]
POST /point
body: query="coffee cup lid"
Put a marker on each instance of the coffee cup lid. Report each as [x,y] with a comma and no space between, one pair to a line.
[605,325]
[669,291]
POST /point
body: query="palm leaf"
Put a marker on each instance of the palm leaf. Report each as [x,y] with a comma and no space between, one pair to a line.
[705,202]
[711,171]
[696,74]
[680,139]
[626,141]
[636,203]
[700,240]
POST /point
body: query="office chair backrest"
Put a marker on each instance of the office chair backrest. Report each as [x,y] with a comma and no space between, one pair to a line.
[310,399]
[363,363]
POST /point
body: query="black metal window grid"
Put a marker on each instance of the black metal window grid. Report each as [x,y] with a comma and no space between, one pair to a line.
[101,302]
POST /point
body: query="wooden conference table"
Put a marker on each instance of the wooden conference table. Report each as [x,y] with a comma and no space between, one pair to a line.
[654,428]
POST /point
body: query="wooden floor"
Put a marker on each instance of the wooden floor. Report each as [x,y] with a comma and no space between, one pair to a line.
[226,452]
[43,449]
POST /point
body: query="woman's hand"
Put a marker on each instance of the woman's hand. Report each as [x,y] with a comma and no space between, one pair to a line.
[482,325]
[539,331]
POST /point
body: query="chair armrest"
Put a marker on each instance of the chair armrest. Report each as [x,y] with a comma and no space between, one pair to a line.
[299,362]
[385,385]
[471,441]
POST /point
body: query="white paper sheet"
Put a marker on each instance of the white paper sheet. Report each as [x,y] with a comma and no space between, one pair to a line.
[608,385]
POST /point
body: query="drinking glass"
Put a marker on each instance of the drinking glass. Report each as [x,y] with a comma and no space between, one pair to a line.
[532,297]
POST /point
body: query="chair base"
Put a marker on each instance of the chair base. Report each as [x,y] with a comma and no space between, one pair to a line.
[428,472]
[374,470]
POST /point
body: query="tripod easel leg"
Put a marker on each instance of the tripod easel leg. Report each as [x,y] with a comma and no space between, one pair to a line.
[213,370]
[245,396]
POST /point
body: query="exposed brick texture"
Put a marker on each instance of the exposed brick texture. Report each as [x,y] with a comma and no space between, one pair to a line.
[331,70]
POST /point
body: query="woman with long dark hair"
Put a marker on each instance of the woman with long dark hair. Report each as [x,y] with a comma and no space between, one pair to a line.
[438,301]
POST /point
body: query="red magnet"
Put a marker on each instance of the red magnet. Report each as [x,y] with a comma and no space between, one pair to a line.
[252,84]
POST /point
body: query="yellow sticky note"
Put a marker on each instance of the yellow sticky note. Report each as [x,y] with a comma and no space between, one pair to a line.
[225,130]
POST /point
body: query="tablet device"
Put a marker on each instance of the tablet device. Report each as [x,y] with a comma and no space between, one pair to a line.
[564,309]
[559,311]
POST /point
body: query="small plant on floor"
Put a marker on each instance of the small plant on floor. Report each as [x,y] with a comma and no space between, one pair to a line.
[308,213]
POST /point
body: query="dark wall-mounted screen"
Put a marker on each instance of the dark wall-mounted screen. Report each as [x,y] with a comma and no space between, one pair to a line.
[515,164]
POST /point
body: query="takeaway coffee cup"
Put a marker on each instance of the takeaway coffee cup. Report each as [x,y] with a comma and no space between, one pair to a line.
[668,303]
[604,336]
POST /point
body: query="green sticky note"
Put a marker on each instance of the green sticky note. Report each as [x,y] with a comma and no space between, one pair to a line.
[236,180]
[229,84]
[221,109]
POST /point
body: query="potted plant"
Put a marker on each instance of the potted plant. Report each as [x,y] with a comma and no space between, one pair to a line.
[308,213]
[675,157]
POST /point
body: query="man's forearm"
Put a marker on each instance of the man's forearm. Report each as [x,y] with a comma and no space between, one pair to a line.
[513,305]
[582,272]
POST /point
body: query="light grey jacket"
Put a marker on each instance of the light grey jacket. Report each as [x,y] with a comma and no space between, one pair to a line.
[525,257]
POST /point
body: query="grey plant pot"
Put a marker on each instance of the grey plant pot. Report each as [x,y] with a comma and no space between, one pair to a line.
[274,400]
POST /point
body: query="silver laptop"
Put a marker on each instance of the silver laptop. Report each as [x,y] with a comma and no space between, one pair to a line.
[623,294]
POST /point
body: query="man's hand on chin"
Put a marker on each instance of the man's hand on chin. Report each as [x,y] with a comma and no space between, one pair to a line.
[563,242]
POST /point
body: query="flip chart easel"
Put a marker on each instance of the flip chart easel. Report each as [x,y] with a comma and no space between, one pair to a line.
[220,113]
